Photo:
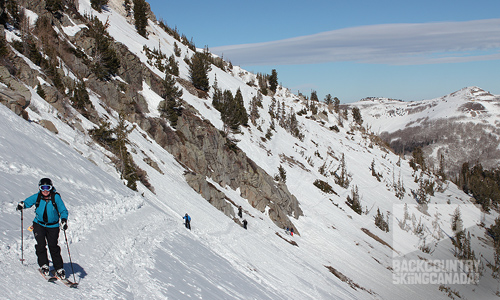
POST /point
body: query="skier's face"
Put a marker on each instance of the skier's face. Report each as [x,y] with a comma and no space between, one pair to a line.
[45,193]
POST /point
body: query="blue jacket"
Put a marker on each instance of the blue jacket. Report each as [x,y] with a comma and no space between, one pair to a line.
[52,216]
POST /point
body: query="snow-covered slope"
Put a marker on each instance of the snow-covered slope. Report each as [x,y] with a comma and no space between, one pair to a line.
[133,245]
[471,104]
[460,127]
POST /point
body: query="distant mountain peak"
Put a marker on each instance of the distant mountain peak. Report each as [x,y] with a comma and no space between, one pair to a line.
[474,93]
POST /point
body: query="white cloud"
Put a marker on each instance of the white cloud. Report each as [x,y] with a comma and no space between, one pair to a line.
[394,44]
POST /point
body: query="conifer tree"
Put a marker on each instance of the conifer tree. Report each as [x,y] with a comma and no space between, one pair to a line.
[294,125]
[177,50]
[40,91]
[173,66]
[336,105]
[380,222]
[32,51]
[116,140]
[313,107]
[262,80]
[232,109]
[483,184]
[106,62]
[271,108]
[441,171]
[103,134]
[328,99]
[399,188]
[126,163]
[226,108]
[494,232]
[240,113]
[80,97]
[98,4]
[421,194]
[344,178]
[254,110]
[217,96]
[140,17]
[418,159]
[172,95]
[281,176]
[273,81]
[356,115]
[198,71]
[374,172]
[456,221]
[53,5]
[314,96]
[353,201]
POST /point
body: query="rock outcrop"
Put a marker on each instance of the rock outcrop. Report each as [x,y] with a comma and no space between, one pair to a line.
[204,150]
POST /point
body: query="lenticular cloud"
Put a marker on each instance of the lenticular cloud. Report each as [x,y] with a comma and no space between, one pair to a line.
[395,44]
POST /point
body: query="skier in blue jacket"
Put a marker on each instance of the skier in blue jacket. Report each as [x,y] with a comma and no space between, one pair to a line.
[187,221]
[49,208]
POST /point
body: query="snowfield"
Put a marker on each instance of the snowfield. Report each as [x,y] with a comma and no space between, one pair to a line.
[133,245]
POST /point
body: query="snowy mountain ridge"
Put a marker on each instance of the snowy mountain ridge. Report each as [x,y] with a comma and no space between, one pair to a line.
[468,104]
[463,125]
[136,240]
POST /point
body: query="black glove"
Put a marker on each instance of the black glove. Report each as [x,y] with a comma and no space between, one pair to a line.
[20,206]
[64,224]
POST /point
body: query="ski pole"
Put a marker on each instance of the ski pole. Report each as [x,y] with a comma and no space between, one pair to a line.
[22,238]
[69,254]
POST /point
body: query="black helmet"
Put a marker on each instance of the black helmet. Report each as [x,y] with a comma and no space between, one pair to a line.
[45,181]
[45,184]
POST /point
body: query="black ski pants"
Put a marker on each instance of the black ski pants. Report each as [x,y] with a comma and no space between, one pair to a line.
[50,236]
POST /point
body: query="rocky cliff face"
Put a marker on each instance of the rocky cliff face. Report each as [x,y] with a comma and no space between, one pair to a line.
[206,154]
[197,144]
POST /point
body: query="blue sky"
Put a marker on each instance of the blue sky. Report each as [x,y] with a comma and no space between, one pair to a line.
[408,50]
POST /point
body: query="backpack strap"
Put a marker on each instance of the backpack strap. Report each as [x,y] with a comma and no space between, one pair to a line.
[53,198]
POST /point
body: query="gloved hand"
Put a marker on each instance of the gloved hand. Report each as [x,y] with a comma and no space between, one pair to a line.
[20,206]
[64,224]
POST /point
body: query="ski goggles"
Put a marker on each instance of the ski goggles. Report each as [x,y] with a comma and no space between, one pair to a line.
[45,187]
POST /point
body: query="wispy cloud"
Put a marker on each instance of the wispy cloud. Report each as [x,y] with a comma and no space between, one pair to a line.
[394,44]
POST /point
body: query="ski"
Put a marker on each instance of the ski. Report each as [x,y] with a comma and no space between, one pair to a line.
[50,278]
[68,283]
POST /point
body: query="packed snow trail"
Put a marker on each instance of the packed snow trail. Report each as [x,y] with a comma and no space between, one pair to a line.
[123,245]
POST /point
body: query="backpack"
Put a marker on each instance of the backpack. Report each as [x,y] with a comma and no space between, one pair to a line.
[53,199]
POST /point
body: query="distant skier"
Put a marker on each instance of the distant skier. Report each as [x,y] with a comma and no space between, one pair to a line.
[291,231]
[240,212]
[245,224]
[49,208]
[187,221]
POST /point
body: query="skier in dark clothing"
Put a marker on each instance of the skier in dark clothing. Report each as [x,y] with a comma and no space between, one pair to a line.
[187,221]
[240,213]
[49,208]
[245,224]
